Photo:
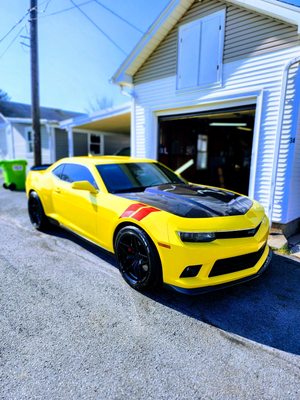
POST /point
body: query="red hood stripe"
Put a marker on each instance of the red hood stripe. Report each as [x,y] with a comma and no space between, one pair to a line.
[142,213]
[138,211]
[132,209]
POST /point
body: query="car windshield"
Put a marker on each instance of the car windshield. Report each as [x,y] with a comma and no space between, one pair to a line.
[129,177]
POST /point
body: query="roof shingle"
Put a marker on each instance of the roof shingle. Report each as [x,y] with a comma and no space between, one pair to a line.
[11,109]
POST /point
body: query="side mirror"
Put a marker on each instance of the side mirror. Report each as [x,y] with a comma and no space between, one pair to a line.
[84,185]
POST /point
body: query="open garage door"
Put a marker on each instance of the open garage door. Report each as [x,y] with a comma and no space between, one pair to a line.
[219,142]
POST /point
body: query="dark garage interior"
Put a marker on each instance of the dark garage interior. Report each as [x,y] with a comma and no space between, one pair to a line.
[219,143]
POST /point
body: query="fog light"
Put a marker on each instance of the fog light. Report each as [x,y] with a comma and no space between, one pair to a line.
[191,271]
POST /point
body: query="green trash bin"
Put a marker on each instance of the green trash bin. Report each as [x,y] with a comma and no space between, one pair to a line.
[14,174]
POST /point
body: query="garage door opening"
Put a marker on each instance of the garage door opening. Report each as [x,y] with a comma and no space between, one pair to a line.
[219,143]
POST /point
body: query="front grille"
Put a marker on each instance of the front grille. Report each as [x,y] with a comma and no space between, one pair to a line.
[237,234]
[234,264]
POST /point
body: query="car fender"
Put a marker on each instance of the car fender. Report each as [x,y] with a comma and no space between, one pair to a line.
[153,222]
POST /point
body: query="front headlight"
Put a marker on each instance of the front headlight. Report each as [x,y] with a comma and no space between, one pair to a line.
[197,236]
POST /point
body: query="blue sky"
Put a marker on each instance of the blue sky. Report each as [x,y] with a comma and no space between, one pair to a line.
[293,2]
[76,59]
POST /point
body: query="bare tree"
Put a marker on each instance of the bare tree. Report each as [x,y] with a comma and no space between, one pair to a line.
[4,96]
[100,103]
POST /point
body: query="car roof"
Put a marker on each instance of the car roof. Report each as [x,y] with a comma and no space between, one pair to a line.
[96,160]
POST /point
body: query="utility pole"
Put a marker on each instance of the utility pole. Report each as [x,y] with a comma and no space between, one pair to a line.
[35,101]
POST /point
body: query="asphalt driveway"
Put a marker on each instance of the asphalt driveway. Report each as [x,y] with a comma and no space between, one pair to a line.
[70,328]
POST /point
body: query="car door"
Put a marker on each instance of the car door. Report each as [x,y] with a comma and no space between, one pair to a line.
[76,209]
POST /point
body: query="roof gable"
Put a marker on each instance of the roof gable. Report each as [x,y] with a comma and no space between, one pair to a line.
[174,12]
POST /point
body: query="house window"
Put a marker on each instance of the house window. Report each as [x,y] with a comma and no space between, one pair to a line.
[29,140]
[200,51]
[202,152]
[95,144]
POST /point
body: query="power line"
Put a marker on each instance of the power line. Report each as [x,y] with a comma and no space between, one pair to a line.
[118,16]
[46,6]
[14,27]
[68,8]
[98,27]
[22,19]
[12,42]
[40,4]
[19,22]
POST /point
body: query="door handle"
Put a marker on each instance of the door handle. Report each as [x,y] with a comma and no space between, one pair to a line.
[57,190]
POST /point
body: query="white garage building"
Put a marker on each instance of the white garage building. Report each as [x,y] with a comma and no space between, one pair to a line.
[218,82]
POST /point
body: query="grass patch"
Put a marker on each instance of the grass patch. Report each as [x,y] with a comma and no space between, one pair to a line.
[284,250]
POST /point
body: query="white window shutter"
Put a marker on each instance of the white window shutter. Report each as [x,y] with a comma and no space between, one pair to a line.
[188,55]
[211,48]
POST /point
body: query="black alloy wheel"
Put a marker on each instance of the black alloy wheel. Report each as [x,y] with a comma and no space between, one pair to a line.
[138,258]
[36,212]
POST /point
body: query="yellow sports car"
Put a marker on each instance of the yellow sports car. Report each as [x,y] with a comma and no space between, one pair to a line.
[161,228]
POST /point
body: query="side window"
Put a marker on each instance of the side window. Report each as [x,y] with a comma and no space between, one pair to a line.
[75,172]
[58,171]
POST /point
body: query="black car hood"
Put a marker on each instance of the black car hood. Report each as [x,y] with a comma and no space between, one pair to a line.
[192,201]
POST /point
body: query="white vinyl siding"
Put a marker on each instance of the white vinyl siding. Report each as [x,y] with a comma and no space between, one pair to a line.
[263,73]
[288,175]
[246,34]
[200,51]
[256,50]
[5,142]
[22,149]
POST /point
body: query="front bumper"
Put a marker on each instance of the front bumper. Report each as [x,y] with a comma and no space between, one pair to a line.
[220,262]
[212,288]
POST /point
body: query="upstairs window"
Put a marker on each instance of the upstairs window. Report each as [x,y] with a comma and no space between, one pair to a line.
[200,51]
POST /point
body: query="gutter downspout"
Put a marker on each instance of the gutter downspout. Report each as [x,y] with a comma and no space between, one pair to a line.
[279,133]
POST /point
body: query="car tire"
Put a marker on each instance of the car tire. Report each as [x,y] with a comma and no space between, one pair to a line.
[36,212]
[138,259]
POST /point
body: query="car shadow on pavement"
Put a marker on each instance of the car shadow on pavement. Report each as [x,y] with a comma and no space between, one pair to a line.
[56,231]
[265,310]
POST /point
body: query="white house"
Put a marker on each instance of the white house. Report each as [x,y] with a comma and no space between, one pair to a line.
[16,134]
[218,82]
[63,133]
